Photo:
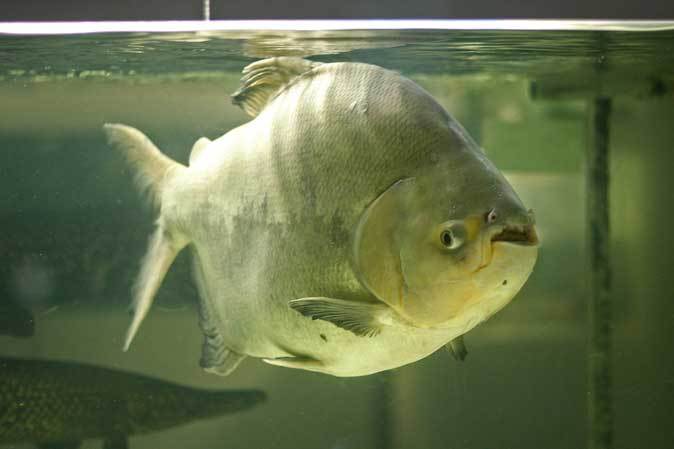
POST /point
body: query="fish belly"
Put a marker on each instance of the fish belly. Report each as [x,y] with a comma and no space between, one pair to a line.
[253,318]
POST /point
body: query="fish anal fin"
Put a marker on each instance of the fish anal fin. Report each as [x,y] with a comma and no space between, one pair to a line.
[216,357]
[198,148]
[360,318]
[117,441]
[457,348]
[262,80]
[161,253]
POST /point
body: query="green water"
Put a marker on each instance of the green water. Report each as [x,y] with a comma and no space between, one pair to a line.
[72,230]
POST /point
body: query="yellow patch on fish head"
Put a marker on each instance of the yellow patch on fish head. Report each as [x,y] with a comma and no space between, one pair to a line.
[455,271]
[432,266]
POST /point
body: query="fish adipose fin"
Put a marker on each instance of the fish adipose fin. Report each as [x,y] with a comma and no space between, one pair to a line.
[457,348]
[198,148]
[262,80]
[362,319]
[216,357]
[153,169]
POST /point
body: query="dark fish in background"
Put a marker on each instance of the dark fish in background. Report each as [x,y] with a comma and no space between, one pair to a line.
[59,404]
[15,321]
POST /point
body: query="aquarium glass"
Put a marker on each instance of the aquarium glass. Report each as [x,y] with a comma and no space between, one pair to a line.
[534,95]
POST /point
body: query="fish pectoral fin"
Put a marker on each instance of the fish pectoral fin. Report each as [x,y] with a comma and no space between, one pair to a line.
[457,348]
[361,318]
[117,441]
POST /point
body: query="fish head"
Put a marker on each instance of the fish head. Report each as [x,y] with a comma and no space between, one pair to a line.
[453,239]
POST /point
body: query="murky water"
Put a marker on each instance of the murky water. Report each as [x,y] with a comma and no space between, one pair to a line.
[73,230]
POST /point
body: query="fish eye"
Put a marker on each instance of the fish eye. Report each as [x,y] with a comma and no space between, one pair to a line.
[449,240]
[446,238]
[491,216]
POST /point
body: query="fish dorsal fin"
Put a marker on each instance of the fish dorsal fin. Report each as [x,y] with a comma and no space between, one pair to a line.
[198,148]
[262,80]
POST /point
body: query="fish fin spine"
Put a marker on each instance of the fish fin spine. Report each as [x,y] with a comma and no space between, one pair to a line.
[263,80]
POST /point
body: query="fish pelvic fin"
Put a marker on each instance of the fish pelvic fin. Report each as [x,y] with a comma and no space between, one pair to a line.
[263,80]
[457,348]
[151,166]
[161,253]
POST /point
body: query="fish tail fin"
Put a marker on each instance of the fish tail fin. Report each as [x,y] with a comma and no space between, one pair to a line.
[151,165]
[153,169]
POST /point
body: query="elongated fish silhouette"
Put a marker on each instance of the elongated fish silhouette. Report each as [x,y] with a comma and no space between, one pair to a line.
[59,404]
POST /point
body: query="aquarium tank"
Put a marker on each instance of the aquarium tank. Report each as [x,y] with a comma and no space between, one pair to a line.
[577,115]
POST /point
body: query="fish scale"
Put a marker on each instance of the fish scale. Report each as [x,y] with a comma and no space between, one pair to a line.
[43,401]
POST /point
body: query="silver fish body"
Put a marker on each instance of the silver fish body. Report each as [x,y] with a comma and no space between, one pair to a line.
[285,214]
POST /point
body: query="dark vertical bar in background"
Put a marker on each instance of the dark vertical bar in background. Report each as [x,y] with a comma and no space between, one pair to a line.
[600,411]
[385,393]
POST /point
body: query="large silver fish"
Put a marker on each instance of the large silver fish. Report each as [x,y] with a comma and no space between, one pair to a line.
[351,227]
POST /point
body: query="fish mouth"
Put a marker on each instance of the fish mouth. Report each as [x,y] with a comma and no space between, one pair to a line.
[523,235]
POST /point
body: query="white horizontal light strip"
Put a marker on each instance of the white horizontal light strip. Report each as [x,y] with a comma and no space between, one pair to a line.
[47,28]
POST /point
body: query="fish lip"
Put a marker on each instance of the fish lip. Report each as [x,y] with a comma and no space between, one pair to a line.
[521,235]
